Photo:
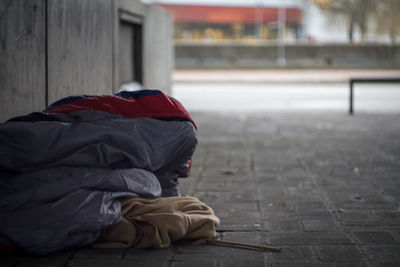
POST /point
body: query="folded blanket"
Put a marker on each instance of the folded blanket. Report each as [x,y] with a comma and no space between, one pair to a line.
[155,223]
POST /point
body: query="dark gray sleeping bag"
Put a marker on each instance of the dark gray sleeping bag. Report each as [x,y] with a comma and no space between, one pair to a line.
[60,179]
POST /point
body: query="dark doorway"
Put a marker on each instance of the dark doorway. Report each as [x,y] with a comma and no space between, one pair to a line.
[130,49]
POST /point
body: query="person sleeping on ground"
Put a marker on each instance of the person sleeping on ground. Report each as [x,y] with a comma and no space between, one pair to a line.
[65,171]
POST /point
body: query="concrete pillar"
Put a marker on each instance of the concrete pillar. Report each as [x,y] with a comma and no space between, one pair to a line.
[158,48]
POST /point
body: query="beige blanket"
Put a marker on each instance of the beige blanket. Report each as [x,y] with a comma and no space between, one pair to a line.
[155,223]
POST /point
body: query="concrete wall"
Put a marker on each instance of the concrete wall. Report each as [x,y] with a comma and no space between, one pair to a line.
[158,49]
[79,41]
[302,56]
[22,57]
[50,49]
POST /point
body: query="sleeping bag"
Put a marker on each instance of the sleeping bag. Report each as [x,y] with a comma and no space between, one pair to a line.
[63,170]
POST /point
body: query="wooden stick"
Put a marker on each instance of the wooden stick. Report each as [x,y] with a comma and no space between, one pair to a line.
[235,244]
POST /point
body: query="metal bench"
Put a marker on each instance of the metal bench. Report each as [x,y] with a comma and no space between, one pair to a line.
[366,80]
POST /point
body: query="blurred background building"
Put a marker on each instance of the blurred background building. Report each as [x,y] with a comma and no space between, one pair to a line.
[286,33]
[311,21]
[241,23]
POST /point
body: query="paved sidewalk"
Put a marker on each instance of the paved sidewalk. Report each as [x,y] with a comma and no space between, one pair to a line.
[325,187]
[281,75]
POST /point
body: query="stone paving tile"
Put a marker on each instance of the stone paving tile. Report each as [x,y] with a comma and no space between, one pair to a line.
[383,255]
[112,253]
[274,206]
[32,261]
[271,192]
[235,215]
[320,224]
[209,185]
[254,237]
[220,263]
[231,196]
[186,188]
[309,238]
[289,225]
[224,174]
[396,234]
[292,253]
[277,216]
[344,253]
[134,253]
[375,237]
[317,264]
[22,259]
[122,263]
[370,218]
[186,252]
[198,263]
[232,207]
[307,207]
[266,180]
[241,226]
[39,262]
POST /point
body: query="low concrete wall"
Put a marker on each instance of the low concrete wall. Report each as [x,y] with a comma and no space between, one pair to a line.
[292,56]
